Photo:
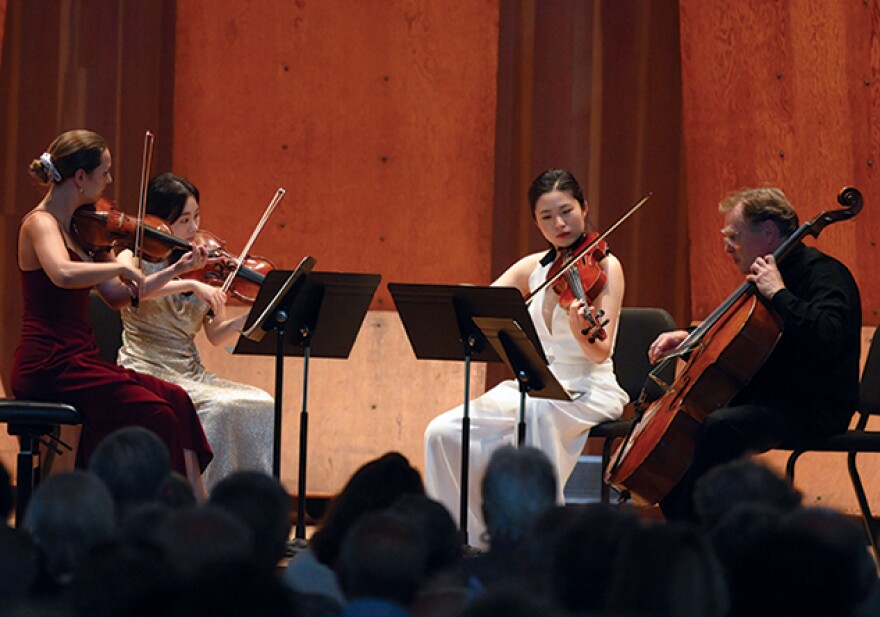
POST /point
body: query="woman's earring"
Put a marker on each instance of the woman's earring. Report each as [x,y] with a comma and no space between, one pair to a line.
[81,191]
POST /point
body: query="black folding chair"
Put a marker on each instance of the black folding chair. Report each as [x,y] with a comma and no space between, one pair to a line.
[638,328]
[853,441]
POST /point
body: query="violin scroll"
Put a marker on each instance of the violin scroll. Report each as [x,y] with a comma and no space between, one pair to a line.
[595,329]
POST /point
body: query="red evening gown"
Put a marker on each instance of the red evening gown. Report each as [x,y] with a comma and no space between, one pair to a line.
[57,360]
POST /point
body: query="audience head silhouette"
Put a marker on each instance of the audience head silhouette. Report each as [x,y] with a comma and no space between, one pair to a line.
[260,502]
[383,556]
[196,538]
[668,570]
[519,485]
[374,486]
[70,514]
[134,464]
[738,482]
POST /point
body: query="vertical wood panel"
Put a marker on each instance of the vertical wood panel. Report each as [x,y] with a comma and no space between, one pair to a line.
[641,142]
[513,231]
[596,89]
[2,26]
[780,93]
[379,122]
[378,118]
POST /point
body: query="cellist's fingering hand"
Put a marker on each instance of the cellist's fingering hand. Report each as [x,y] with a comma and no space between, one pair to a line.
[766,277]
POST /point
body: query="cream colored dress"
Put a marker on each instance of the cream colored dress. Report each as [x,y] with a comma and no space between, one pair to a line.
[558,428]
[159,339]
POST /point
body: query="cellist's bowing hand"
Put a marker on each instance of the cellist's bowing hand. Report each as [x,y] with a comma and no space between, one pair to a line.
[215,297]
[766,277]
[665,343]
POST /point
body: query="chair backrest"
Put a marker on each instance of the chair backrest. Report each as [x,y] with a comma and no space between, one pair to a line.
[637,330]
[869,390]
[107,326]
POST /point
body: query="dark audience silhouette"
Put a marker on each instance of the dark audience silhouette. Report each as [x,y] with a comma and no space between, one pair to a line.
[128,538]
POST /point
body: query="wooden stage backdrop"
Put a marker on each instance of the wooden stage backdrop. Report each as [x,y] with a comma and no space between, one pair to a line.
[406,132]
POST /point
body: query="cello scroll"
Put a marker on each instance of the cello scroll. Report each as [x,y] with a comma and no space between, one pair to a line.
[850,198]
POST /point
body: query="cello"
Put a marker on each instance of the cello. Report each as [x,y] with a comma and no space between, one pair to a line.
[722,355]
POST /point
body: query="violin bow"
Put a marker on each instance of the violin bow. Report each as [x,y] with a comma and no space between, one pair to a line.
[247,247]
[573,259]
[138,249]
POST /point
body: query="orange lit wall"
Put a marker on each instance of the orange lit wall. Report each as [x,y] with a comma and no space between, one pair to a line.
[784,93]
[379,123]
[378,118]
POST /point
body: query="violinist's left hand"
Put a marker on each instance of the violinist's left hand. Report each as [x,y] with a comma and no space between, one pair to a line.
[196,259]
[766,277]
[590,327]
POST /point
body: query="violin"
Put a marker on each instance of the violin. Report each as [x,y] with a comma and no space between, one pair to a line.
[103,227]
[244,268]
[248,276]
[589,278]
[583,279]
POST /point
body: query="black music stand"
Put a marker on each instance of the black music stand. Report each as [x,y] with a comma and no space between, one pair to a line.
[439,322]
[323,311]
[527,362]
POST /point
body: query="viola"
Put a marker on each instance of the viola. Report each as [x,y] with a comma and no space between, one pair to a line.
[583,279]
[103,227]
[248,276]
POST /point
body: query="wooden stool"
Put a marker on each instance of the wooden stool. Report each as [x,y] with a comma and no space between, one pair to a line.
[34,423]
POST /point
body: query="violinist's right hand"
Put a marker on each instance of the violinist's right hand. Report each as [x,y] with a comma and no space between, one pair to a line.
[665,343]
[133,278]
[214,296]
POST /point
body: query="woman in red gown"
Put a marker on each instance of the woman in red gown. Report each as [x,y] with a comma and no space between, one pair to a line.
[57,358]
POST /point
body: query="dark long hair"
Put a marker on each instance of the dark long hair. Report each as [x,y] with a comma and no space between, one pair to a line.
[555,180]
[167,195]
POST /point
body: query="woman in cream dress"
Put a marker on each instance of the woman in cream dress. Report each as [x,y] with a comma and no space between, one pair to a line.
[159,339]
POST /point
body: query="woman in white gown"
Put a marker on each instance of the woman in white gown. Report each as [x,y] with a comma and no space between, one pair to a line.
[558,428]
[159,339]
